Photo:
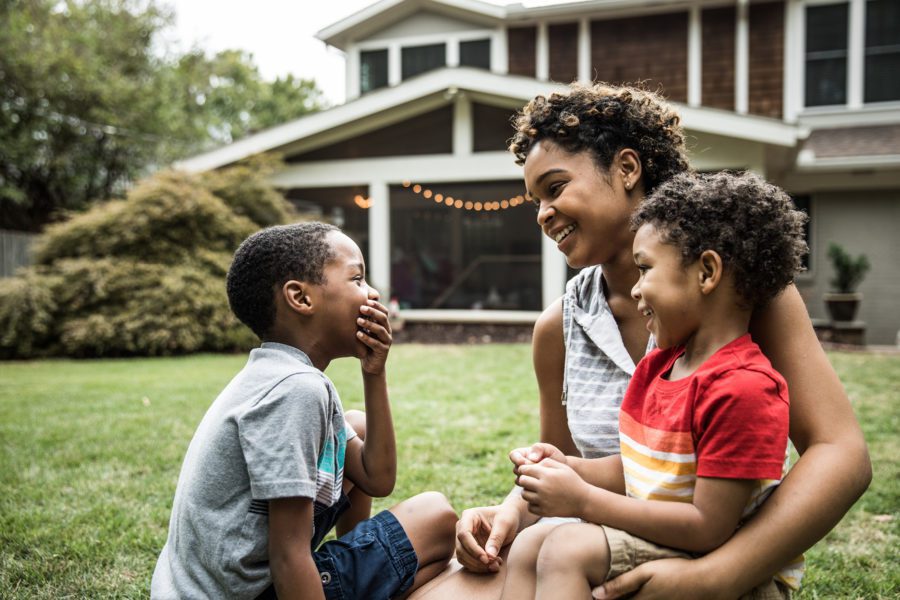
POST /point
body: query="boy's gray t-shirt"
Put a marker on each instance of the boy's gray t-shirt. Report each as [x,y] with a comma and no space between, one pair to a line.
[276,431]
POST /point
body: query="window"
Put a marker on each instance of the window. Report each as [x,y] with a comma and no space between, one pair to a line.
[475,53]
[419,59]
[826,54]
[882,70]
[373,70]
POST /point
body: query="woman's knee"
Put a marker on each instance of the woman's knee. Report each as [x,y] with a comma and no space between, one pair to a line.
[430,523]
[357,420]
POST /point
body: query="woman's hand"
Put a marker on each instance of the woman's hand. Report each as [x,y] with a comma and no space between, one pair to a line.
[669,578]
[481,533]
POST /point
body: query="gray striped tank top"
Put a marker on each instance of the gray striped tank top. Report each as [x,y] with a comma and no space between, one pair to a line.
[597,366]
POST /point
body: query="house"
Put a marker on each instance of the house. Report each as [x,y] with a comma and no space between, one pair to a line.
[414,166]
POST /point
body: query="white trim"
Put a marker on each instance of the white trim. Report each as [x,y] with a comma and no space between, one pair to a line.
[553,271]
[499,51]
[352,72]
[793,80]
[462,125]
[856,53]
[742,59]
[395,64]
[452,51]
[380,236]
[542,52]
[585,70]
[695,57]
[379,104]
[427,39]
[449,315]
[807,161]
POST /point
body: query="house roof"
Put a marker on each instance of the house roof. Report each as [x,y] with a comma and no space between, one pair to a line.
[447,81]
[377,16]
[851,147]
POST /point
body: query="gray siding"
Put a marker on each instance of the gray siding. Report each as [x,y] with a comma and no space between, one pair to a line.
[865,222]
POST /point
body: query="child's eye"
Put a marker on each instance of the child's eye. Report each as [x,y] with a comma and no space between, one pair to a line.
[643,268]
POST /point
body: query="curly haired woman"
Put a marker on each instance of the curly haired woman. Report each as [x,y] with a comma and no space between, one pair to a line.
[590,156]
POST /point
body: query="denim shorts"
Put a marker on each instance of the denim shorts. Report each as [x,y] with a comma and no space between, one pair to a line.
[373,561]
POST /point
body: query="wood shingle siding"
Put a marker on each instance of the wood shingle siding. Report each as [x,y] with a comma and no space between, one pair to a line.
[521,42]
[717,90]
[766,59]
[651,49]
[429,133]
[492,128]
[563,52]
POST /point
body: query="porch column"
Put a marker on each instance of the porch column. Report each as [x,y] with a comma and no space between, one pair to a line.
[585,73]
[856,54]
[742,58]
[379,267]
[395,64]
[499,51]
[542,52]
[695,56]
[553,271]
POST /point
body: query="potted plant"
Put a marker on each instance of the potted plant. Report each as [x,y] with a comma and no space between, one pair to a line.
[848,273]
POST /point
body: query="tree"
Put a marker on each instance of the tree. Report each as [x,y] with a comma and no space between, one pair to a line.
[86,105]
[144,275]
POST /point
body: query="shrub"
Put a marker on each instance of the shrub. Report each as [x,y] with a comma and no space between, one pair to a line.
[140,276]
[848,271]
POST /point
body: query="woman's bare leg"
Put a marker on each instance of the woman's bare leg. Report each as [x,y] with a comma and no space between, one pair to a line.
[430,524]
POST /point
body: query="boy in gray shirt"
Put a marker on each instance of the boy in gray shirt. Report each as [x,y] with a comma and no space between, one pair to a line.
[263,479]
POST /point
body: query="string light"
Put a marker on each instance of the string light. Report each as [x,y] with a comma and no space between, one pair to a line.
[504,204]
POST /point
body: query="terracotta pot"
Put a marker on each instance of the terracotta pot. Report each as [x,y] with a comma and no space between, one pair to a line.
[842,305]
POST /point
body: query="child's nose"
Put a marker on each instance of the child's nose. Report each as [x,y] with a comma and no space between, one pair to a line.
[373,294]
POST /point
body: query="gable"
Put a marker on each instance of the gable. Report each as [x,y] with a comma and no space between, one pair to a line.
[423,23]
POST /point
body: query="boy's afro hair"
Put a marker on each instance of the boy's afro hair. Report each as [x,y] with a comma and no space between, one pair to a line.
[604,119]
[751,224]
[266,260]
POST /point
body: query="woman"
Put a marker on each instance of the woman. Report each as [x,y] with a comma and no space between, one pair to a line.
[589,158]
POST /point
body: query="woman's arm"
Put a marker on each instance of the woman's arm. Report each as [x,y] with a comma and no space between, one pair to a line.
[481,532]
[832,473]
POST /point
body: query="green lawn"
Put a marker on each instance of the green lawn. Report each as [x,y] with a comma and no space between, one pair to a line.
[90,452]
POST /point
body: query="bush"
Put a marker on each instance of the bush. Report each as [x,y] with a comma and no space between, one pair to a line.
[140,276]
[848,271]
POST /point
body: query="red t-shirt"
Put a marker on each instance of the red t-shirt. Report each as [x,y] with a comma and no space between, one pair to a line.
[728,419]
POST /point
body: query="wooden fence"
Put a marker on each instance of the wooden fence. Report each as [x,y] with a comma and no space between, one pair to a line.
[15,251]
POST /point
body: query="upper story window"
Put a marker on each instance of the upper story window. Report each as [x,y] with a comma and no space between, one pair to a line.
[373,70]
[882,67]
[826,54]
[475,53]
[419,59]
[828,50]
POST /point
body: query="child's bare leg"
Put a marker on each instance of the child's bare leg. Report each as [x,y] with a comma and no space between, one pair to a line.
[430,524]
[573,559]
[522,562]
[360,504]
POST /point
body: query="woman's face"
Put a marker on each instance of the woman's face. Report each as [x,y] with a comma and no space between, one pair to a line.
[583,209]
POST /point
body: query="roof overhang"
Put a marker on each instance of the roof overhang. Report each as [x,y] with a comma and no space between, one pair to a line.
[373,18]
[447,81]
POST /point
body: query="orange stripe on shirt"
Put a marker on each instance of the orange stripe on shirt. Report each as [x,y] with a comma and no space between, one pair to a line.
[678,442]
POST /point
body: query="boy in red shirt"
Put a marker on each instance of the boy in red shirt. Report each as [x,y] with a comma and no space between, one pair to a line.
[704,423]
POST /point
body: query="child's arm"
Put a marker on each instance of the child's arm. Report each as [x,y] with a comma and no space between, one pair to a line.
[554,489]
[372,465]
[294,572]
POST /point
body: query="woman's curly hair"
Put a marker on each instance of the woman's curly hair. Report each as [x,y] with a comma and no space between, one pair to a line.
[269,258]
[751,224]
[604,119]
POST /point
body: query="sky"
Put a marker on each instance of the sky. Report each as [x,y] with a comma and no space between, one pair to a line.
[279,33]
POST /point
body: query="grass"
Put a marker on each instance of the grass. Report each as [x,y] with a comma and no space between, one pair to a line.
[90,453]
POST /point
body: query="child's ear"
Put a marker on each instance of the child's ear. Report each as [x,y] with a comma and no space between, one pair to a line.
[298,297]
[710,272]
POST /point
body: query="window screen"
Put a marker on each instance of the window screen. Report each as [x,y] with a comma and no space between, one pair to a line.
[826,54]
[373,70]
[419,59]
[475,53]
[882,70]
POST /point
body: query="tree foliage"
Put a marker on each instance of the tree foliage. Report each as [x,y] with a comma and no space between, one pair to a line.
[88,102]
[139,276]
